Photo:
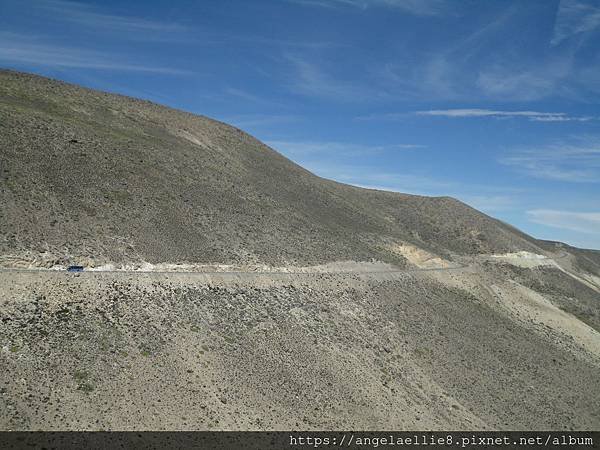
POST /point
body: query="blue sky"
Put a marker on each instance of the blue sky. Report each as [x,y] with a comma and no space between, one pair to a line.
[493,102]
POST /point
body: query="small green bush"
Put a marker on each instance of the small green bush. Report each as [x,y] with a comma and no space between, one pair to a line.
[86,387]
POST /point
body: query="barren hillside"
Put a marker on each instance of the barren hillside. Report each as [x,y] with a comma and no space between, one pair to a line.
[227,288]
[99,177]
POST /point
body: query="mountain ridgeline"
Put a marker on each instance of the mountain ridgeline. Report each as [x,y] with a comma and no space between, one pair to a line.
[99,177]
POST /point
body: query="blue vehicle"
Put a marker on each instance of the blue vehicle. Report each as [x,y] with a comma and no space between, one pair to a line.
[75,269]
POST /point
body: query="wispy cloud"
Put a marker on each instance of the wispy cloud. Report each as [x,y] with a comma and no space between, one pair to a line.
[247,97]
[18,49]
[371,177]
[93,18]
[488,203]
[326,159]
[465,68]
[288,44]
[309,78]
[485,65]
[415,7]
[534,116]
[383,117]
[575,17]
[583,222]
[336,149]
[491,198]
[318,78]
[422,185]
[521,81]
[258,120]
[244,95]
[530,115]
[437,76]
[577,163]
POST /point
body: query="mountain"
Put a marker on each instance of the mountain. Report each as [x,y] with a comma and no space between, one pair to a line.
[98,177]
[227,288]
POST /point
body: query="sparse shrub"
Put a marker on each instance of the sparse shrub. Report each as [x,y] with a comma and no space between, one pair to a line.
[86,387]
[80,375]
[422,351]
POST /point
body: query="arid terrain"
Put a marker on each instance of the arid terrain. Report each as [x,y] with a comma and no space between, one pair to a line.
[227,288]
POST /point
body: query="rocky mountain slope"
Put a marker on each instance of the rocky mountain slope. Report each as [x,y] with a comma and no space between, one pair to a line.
[95,177]
[270,298]
[317,351]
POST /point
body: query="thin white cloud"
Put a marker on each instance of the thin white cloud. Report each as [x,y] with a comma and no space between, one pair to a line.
[489,203]
[491,198]
[438,76]
[248,97]
[415,7]
[300,43]
[258,120]
[17,49]
[375,178]
[519,80]
[534,116]
[583,222]
[379,84]
[464,69]
[244,95]
[575,17]
[309,78]
[530,115]
[335,149]
[577,162]
[326,159]
[563,118]
[383,117]
[419,185]
[91,17]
